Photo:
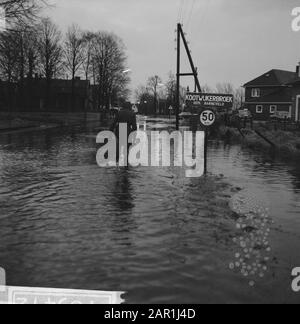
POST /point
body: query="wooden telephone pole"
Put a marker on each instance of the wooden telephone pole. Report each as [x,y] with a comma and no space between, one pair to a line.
[194,73]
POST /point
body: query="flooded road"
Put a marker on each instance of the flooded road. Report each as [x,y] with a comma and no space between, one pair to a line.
[162,238]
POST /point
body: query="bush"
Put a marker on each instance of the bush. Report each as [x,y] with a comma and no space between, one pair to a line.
[287,143]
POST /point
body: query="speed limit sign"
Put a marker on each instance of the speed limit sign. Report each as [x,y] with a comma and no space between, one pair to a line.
[207,118]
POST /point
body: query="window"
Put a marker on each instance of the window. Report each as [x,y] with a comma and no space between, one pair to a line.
[273,109]
[255,93]
[259,109]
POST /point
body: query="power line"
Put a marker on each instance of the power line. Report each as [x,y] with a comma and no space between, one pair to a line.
[185,6]
[180,11]
[190,15]
[205,9]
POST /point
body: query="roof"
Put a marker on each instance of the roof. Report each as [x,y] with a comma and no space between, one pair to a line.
[273,78]
[295,82]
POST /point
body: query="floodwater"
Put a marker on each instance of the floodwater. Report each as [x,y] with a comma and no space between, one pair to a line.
[162,238]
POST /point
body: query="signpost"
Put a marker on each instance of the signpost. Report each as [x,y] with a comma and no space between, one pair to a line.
[207,104]
[207,119]
[203,103]
[209,100]
[170,111]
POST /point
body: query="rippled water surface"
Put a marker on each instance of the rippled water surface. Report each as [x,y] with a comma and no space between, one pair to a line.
[65,222]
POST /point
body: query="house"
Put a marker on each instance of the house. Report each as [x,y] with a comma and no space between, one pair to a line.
[60,95]
[274,92]
[296,98]
[31,95]
[7,95]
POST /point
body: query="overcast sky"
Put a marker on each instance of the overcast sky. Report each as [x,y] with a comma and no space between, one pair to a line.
[231,40]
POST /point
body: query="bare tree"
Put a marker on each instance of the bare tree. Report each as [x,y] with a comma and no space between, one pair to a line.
[21,11]
[88,39]
[74,54]
[207,89]
[144,98]
[31,62]
[152,85]
[239,98]
[225,88]
[171,89]
[8,56]
[50,53]
[109,64]
[18,60]
[74,50]
[118,86]
[139,92]
[31,51]
[171,86]
[8,62]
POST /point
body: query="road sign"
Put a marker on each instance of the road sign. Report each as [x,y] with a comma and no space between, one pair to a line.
[135,109]
[206,100]
[207,118]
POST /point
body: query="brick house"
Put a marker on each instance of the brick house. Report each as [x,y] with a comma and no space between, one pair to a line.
[60,96]
[295,85]
[34,94]
[274,92]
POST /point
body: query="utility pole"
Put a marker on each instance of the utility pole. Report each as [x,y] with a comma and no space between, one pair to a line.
[195,81]
[180,34]
[178,78]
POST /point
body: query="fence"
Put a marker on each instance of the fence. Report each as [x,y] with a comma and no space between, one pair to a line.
[271,125]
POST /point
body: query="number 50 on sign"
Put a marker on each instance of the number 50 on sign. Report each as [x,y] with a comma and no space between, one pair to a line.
[207,118]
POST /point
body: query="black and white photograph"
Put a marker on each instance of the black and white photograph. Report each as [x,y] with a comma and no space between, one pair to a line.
[149,154]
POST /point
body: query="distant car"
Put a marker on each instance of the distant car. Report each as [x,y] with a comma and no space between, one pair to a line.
[245,113]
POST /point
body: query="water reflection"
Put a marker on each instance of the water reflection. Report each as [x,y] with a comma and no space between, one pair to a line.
[295,173]
[64,222]
[123,191]
[253,223]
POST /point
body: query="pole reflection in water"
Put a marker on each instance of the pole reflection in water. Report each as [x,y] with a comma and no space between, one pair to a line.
[66,223]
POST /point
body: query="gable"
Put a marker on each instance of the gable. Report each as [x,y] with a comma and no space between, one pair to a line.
[273,78]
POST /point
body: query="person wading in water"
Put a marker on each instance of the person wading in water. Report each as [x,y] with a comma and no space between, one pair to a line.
[125,116]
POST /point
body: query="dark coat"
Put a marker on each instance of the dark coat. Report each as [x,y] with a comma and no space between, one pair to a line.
[124,116]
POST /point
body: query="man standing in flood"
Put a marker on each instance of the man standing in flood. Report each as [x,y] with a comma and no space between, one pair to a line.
[125,116]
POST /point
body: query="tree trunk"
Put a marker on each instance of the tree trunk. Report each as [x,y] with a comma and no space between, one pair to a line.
[72,93]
